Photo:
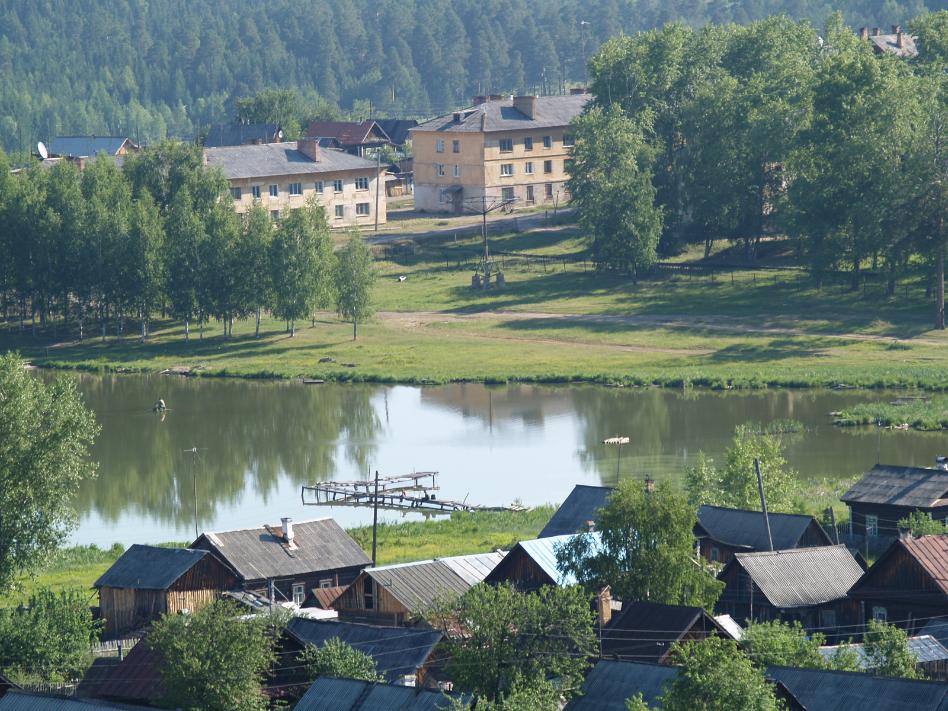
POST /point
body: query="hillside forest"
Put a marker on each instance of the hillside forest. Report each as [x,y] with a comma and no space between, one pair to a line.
[151,68]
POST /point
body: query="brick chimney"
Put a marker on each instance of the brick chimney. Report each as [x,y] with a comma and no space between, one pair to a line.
[604,605]
[864,33]
[309,147]
[900,39]
[287,529]
[896,29]
[527,105]
[876,31]
[480,100]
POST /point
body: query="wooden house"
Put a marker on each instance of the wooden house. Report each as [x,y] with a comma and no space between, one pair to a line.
[149,581]
[646,631]
[393,594]
[579,512]
[532,564]
[808,585]
[886,494]
[354,137]
[826,690]
[722,532]
[354,695]
[931,654]
[287,562]
[907,585]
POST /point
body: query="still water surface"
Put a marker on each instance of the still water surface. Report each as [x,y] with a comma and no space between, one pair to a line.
[257,442]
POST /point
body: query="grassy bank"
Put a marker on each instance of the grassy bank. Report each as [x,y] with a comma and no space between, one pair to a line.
[80,566]
[559,321]
[927,415]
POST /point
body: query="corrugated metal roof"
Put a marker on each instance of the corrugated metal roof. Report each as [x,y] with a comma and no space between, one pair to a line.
[742,528]
[730,624]
[889,44]
[925,648]
[418,585]
[609,684]
[332,695]
[543,552]
[645,631]
[821,690]
[18,700]
[136,679]
[149,567]
[802,576]
[397,129]
[551,111]
[97,673]
[261,554]
[931,552]
[238,134]
[85,146]
[397,651]
[474,568]
[914,487]
[347,695]
[325,597]
[579,507]
[278,159]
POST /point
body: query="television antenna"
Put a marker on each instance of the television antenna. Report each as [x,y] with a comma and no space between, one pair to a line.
[195,451]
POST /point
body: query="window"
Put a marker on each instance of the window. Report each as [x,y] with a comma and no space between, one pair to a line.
[275,215]
[439,169]
[528,144]
[457,170]
[548,141]
[318,186]
[340,211]
[548,191]
[455,146]
[715,554]
[295,189]
[299,593]
[439,146]
[255,192]
[325,583]
[507,193]
[880,614]
[506,145]
[362,208]
[547,166]
[506,169]
[368,593]
[568,140]
[362,183]
[528,168]
[274,191]
[337,186]
[235,193]
[530,197]
[827,619]
[872,525]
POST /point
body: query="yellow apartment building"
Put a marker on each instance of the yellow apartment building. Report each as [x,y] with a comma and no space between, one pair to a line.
[282,176]
[500,149]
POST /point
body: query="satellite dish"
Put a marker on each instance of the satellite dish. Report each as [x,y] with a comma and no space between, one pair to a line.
[41,149]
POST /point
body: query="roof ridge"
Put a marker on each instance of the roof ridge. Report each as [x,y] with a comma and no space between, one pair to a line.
[263,527]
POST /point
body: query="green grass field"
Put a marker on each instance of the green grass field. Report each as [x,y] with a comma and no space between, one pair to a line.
[561,322]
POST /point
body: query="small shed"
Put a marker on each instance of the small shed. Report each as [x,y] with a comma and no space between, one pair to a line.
[931,654]
[394,593]
[579,509]
[722,532]
[147,582]
[326,694]
[532,564]
[886,494]
[809,585]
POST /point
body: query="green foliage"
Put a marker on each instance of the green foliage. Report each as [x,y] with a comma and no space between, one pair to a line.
[338,660]
[45,436]
[279,106]
[534,695]
[354,277]
[845,658]
[637,703]
[716,676]
[919,523]
[214,660]
[888,653]
[511,643]
[735,484]
[782,644]
[49,638]
[645,550]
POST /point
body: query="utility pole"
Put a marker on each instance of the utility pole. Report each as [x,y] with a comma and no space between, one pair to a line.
[763,501]
[582,33]
[378,181]
[194,451]
[375,517]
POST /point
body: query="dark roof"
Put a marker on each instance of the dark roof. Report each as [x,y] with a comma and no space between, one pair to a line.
[551,111]
[348,133]
[396,650]
[800,577]
[149,567]
[931,552]
[609,684]
[579,507]
[822,690]
[397,129]
[19,700]
[261,554]
[86,146]
[746,529]
[913,487]
[136,679]
[645,631]
[925,648]
[889,44]
[239,134]
[327,694]
[100,669]
[418,585]
[277,159]
[938,629]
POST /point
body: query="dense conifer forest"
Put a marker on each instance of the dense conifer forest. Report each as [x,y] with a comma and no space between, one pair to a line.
[150,68]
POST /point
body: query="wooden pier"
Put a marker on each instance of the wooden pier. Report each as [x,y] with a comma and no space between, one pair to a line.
[405,492]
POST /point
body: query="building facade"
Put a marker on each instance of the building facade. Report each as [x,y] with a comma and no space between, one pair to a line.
[283,176]
[514,150]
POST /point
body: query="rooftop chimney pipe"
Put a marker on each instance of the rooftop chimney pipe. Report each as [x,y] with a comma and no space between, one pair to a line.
[287,529]
[864,33]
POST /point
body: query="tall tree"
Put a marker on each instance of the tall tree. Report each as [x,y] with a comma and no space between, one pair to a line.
[338,660]
[281,106]
[644,549]
[145,263]
[355,276]
[46,433]
[184,236]
[255,284]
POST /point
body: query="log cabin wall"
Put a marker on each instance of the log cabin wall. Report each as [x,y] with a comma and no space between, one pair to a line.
[385,607]
[126,609]
[521,571]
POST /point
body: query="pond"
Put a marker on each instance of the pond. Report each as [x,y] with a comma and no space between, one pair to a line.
[233,454]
